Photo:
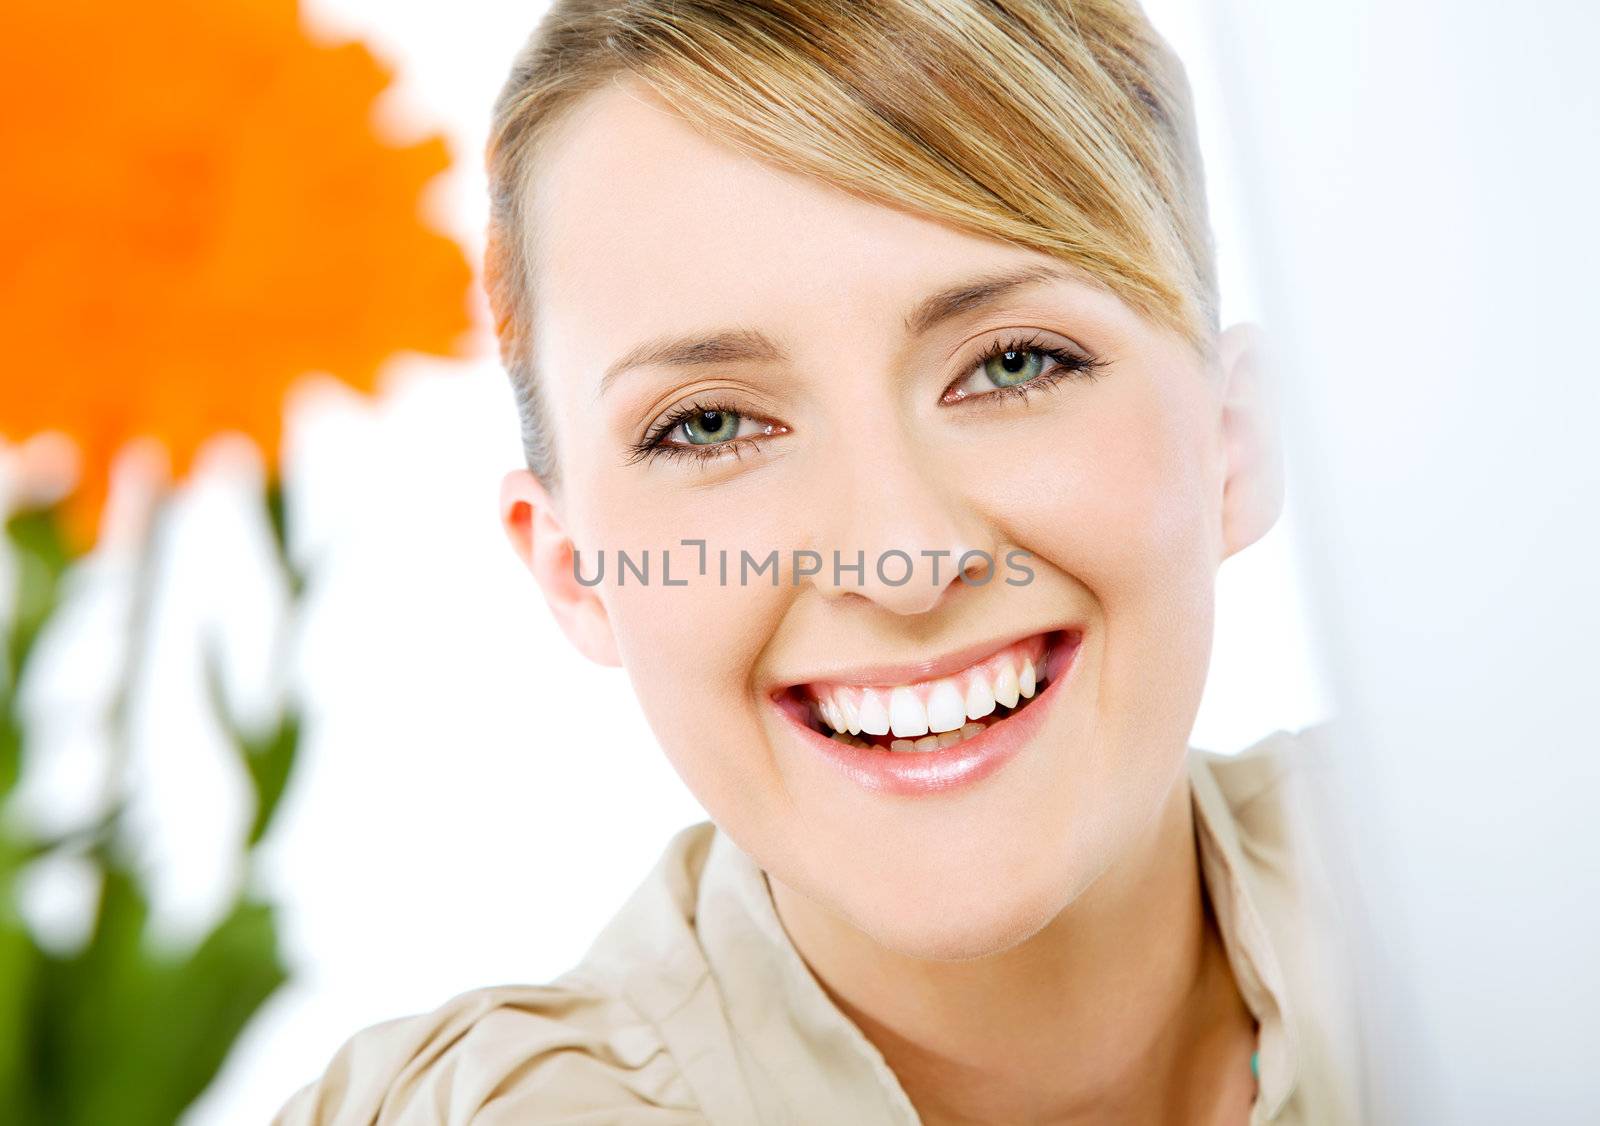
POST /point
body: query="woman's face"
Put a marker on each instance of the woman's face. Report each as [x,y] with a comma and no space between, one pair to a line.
[844,407]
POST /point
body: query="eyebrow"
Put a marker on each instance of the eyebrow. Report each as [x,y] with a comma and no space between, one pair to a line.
[746,345]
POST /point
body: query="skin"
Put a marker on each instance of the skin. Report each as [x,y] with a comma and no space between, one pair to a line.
[1034,948]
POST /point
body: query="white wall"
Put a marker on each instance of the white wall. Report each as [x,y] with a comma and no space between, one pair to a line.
[1424,177]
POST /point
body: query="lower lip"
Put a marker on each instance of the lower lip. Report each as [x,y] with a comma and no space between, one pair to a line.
[921,773]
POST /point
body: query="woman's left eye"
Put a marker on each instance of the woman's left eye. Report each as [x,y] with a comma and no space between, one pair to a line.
[1013,367]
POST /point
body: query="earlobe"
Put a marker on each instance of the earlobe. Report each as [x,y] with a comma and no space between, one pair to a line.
[541,541]
[1253,484]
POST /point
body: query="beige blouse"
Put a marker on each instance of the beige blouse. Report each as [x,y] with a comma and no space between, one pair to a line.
[692,1005]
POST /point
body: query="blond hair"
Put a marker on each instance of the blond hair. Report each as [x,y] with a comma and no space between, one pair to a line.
[1062,126]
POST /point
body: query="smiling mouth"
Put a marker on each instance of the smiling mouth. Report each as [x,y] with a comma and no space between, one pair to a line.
[929,715]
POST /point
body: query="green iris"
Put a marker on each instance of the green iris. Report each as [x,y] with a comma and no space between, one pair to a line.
[1011,368]
[707,428]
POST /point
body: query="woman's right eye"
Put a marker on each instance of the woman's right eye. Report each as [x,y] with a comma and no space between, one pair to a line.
[704,431]
[705,428]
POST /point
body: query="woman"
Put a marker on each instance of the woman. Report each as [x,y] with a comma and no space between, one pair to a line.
[878,422]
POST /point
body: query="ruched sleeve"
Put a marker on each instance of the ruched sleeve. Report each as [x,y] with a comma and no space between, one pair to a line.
[557,1053]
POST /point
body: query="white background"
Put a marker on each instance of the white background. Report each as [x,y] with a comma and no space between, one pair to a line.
[1422,178]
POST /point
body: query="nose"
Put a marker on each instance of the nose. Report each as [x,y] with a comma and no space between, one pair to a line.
[903,536]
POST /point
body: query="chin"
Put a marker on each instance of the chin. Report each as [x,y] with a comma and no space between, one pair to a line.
[949,920]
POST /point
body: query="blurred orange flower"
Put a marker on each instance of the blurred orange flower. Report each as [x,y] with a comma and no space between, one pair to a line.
[196,210]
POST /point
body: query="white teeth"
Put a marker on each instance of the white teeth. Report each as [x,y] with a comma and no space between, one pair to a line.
[946,710]
[871,715]
[930,714]
[907,716]
[927,742]
[1005,685]
[848,717]
[980,698]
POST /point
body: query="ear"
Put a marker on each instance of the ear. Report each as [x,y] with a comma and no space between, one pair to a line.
[1252,496]
[541,541]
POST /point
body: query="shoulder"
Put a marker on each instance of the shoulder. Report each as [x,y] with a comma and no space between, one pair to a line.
[1260,787]
[507,1054]
[565,1051]
[1263,817]
[1268,819]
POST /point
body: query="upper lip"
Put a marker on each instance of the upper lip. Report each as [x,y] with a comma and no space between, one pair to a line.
[911,672]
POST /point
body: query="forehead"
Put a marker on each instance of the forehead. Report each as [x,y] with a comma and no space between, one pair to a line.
[640,225]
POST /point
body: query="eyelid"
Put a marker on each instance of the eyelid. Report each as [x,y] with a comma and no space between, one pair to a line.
[1073,360]
[674,416]
[1029,336]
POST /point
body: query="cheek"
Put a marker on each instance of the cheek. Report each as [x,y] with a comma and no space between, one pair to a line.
[1116,491]
[689,649]
[1123,505]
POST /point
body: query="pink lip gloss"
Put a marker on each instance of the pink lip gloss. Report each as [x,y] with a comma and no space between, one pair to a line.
[919,773]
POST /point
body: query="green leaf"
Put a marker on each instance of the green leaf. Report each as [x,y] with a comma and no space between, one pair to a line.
[268,756]
[211,997]
[20,964]
[168,1034]
[88,1010]
[38,538]
[275,502]
[271,761]
[131,1035]
[10,745]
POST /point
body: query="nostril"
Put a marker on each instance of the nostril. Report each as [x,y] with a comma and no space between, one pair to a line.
[977,567]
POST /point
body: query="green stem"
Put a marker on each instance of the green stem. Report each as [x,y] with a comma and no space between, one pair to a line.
[146,575]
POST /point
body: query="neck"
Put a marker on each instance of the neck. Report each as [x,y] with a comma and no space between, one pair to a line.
[1121,1007]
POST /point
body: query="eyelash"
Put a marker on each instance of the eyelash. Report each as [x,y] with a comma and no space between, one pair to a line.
[1067,366]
